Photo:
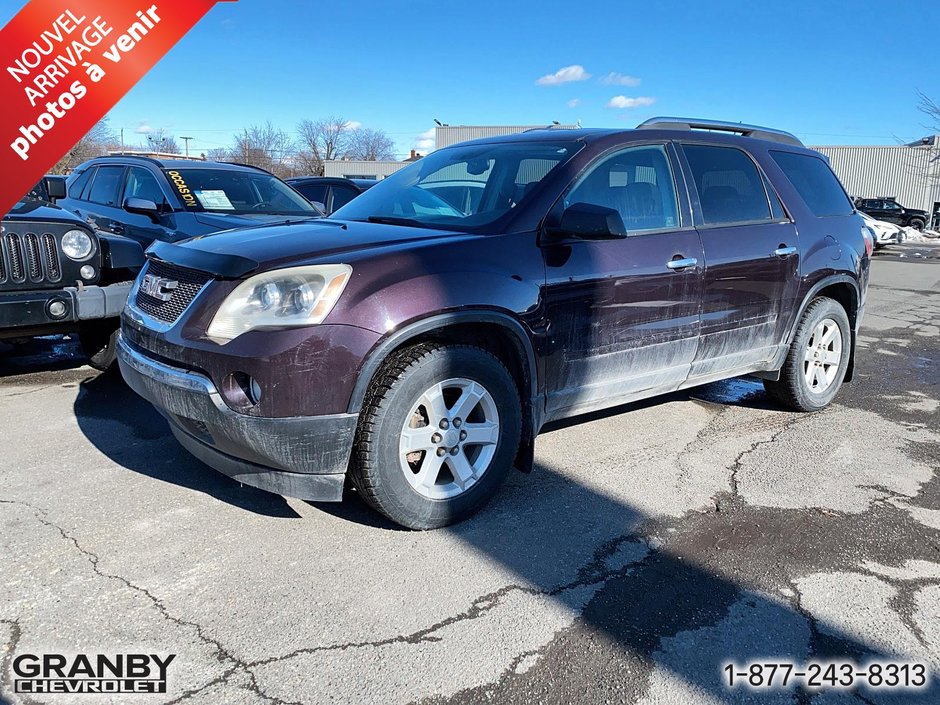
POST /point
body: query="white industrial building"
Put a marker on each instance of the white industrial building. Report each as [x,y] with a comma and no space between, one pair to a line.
[909,173]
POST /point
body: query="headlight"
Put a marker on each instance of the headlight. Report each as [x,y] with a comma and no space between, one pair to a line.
[76,244]
[298,296]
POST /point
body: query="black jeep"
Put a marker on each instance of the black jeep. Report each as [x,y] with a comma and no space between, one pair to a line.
[890,211]
[58,275]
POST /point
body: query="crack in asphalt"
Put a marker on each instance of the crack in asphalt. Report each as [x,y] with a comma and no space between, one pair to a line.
[222,654]
[594,573]
[591,574]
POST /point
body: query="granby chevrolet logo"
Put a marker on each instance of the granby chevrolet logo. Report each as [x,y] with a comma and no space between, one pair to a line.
[81,673]
[159,288]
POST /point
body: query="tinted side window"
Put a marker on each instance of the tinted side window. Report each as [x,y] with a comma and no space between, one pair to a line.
[729,186]
[815,182]
[636,182]
[343,195]
[78,184]
[315,193]
[106,187]
[142,184]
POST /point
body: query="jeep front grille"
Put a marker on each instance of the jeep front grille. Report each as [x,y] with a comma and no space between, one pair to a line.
[191,282]
[29,258]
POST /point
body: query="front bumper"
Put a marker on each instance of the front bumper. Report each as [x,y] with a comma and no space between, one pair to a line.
[29,309]
[304,457]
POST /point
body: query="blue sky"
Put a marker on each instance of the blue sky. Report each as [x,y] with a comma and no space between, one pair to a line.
[823,70]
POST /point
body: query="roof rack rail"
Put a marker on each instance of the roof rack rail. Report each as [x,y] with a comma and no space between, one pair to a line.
[755,131]
[248,166]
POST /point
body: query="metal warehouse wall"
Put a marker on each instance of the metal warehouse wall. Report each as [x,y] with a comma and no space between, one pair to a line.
[448,135]
[354,169]
[898,171]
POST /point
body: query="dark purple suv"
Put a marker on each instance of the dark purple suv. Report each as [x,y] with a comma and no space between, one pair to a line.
[415,342]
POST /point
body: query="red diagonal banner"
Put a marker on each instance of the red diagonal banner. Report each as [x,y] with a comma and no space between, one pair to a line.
[64,64]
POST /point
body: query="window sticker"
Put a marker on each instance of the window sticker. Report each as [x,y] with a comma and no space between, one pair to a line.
[214,200]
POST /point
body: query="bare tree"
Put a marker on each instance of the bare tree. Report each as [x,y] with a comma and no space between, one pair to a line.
[370,145]
[220,154]
[160,140]
[265,146]
[929,108]
[320,141]
[93,144]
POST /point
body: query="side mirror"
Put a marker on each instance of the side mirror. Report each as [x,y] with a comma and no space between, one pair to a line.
[587,221]
[55,187]
[142,206]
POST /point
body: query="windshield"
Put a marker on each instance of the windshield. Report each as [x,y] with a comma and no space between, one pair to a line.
[236,192]
[465,186]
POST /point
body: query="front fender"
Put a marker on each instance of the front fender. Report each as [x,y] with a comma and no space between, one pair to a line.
[120,252]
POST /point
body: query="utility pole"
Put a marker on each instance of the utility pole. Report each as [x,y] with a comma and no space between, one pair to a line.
[186,140]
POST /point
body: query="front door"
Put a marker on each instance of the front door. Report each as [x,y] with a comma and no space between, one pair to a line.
[752,260]
[623,315]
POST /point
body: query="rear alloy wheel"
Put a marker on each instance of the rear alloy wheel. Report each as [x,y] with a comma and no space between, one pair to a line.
[817,360]
[438,434]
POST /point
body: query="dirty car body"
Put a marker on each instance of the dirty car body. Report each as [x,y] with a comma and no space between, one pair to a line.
[595,267]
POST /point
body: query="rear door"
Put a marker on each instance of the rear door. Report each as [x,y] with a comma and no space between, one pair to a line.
[100,203]
[623,315]
[752,260]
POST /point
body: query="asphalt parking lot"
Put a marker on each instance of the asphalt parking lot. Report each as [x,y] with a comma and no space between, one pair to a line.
[650,547]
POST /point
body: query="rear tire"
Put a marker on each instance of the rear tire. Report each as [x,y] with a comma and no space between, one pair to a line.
[438,435]
[99,340]
[818,358]
[917,224]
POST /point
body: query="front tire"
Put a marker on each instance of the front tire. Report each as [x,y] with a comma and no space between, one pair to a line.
[818,358]
[99,341]
[437,436]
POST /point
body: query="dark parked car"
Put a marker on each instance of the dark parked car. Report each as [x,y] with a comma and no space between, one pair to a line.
[330,193]
[418,349]
[890,211]
[57,275]
[173,199]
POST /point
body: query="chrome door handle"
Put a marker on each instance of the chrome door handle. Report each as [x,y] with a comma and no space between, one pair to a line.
[682,263]
[785,251]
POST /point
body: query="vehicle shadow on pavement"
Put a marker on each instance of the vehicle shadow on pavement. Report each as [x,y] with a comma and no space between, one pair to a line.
[125,428]
[49,354]
[685,596]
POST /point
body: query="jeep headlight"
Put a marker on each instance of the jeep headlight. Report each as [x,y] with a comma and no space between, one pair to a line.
[76,244]
[283,298]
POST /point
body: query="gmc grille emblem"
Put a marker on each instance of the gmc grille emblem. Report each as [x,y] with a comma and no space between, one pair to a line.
[159,288]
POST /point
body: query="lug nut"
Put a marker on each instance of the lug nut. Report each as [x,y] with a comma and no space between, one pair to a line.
[441,452]
[445,424]
[436,438]
[454,450]
[457,423]
[463,435]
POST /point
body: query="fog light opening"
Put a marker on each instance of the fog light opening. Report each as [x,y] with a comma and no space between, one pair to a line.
[57,309]
[241,391]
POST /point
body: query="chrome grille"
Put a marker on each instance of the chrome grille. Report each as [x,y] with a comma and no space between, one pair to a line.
[33,258]
[191,282]
[51,251]
[15,253]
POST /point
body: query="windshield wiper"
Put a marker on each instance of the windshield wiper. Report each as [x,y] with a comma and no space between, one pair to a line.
[395,220]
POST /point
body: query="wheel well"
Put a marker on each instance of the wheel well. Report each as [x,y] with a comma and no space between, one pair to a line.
[846,295]
[492,337]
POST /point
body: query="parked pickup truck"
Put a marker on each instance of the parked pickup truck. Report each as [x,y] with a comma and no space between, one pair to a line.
[890,211]
[58,275]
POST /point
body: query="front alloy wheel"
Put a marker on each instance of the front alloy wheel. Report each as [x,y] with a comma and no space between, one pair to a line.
[449,439]
[438,434]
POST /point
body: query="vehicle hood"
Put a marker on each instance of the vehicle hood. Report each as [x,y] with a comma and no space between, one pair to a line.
[916,211]
[235,253]
[225,221]
[42,211]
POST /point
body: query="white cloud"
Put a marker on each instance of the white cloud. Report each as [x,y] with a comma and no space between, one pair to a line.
[575,72]
[353,125]
[143,128]
[621,101]
[424,142]
[574,103]
[619,79]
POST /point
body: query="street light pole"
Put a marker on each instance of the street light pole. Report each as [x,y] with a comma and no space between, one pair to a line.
[186,140]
